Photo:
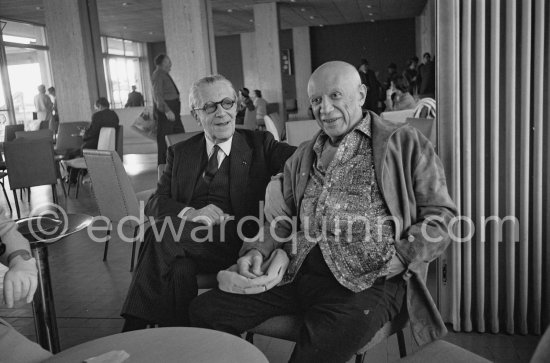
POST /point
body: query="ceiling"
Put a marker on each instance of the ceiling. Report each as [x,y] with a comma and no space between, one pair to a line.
[142,19]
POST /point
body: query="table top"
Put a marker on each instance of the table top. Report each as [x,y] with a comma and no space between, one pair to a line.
[168,345]
[45,229]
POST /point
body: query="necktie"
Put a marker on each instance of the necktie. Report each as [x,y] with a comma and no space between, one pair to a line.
[212,166]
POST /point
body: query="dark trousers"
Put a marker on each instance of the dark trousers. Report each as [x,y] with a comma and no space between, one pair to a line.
[166,127]
[337,321]
[165,279]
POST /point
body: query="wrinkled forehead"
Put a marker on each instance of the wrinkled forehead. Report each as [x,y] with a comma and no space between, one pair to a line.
[327,81]
[215,92]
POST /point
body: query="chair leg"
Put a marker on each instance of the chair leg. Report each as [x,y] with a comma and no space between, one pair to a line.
[16,203]
[63,187]
[54,194]
[28,195]
[6,195]
[359,358]
[401,344]
[107,242]
[136,231]
[250,337]
[78,181]
[69,174]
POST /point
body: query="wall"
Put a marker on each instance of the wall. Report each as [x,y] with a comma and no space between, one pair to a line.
[380,43]
[229,59]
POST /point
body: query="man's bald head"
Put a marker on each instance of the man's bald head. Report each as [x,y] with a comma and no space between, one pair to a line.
[336,96]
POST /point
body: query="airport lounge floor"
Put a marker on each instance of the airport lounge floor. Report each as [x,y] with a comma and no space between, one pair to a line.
[89,293]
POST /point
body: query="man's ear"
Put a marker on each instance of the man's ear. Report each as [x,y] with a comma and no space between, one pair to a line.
[194,114]
[363,93]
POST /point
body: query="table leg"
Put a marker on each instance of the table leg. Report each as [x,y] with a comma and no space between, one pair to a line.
[43,306]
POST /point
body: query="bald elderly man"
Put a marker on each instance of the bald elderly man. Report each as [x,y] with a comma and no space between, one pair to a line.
[372,208]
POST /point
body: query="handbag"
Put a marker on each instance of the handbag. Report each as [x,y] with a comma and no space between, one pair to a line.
[146,124]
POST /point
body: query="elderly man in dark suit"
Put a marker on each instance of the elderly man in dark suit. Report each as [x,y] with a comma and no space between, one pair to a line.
[211,183]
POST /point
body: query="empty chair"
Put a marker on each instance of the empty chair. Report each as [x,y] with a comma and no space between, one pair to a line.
[107,141]
[3,174]
[35,135]
[279,125]
[30,163]
[68,137]
[270,126]
[173,139]
[9,131]
[426,108]
[112,191]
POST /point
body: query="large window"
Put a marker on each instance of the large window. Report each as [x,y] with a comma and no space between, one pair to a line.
[24,65]
[122,60]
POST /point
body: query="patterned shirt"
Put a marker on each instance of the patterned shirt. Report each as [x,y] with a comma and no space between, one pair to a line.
[343,210]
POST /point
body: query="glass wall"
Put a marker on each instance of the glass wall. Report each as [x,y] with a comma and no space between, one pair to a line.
[123,61]
[24,61]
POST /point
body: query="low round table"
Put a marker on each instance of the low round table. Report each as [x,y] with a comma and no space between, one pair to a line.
[40,231]
[168,345]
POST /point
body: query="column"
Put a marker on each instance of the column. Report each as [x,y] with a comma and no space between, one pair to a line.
[425,30]
[302,66]
[266,23]
[250,61]
[75,51]
[189,34]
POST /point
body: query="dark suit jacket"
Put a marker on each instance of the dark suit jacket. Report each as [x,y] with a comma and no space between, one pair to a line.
[255,156]
[103,118]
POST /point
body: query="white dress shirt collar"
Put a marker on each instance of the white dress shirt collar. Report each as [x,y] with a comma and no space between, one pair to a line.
[224,146]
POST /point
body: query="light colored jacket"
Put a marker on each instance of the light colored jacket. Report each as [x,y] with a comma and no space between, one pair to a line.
[44,107]
[412,181]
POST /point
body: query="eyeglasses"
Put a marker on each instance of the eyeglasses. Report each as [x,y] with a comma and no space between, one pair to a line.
[211,107]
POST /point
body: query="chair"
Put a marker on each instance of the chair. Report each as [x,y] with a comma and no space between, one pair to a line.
[30,163]
[35,135]
[113,191]
[44,125]
[426,108]
[279,125]
[173,139]
[107,141]
[68,137]
[270,126]
[3,174]
[272,107]
[397,116]
[9,131]
[287,327]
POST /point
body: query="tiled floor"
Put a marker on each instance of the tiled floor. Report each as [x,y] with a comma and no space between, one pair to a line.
[89,293]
